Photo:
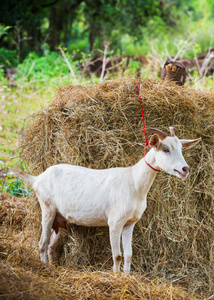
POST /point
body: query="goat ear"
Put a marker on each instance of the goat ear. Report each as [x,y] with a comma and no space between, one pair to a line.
[189,143]
[154,141]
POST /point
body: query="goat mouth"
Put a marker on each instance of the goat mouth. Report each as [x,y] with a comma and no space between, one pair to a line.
[182,175]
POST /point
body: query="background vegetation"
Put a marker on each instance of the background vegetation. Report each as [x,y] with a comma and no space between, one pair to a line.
[130,27]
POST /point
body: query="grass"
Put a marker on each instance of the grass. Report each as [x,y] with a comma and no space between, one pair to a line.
[17,104]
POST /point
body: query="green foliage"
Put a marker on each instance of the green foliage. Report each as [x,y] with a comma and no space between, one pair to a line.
[4,30]
[80,44]
[2,75]
[87,25]
[35,67]
[134,66]
[16,188]
[110,20]
[8,58]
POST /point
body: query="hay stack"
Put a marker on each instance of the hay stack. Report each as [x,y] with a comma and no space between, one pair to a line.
[98,126]
[12,210]
[61,283]
[24,276]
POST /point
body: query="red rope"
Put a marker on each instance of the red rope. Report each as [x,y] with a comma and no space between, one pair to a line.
[146,143]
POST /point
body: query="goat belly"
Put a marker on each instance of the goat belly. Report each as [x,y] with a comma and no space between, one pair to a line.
[87,219]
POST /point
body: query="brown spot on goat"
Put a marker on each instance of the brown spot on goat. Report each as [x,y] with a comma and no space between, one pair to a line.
[118,258]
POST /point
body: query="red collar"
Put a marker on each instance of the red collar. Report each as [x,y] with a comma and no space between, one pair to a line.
[152,167]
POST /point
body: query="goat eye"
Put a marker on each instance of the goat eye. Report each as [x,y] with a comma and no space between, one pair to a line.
[166,150]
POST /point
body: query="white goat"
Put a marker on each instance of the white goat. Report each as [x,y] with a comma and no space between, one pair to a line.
[113,197]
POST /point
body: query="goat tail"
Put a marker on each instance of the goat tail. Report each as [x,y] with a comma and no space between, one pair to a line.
[19,172]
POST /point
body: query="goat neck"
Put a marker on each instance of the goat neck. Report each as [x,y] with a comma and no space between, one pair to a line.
[143,175]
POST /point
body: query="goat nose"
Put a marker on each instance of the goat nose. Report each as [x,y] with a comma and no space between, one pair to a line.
[185,169]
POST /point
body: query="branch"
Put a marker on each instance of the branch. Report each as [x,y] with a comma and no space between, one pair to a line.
[198,66]
[182,49]
[106,44]
[204,67]
[69,65]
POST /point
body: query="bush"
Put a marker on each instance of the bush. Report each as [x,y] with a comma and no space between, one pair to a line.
[8,58]
[16,188]
[45,67]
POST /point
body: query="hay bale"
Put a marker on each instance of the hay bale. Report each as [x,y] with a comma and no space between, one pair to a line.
[18,216]
[24,283]
[12,210]
[98,126]
[24,276]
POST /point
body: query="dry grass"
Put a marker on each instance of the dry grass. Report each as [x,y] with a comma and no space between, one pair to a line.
[61,283]
[98,126]
[23,276]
